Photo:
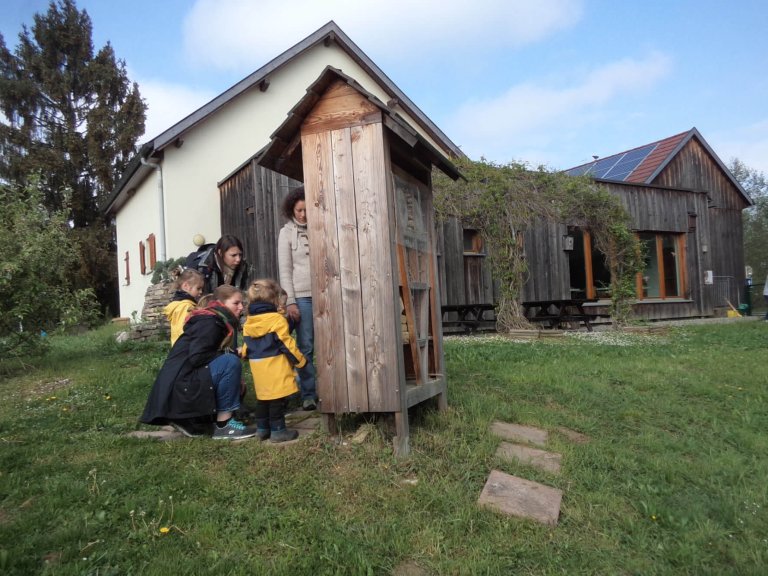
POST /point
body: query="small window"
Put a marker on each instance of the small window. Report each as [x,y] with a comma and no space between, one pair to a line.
[473,242]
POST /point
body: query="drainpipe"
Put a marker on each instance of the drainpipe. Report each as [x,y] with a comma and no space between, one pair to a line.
[161,205]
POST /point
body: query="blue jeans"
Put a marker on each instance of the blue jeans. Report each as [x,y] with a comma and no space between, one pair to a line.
[305,339]
[226,373]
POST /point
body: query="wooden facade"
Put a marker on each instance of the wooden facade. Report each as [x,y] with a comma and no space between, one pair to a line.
[690,199]
[375,280]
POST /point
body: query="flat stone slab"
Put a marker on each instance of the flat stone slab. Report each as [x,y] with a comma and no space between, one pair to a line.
[541,459]
[311,423]
[163,434]
[520,433]
[516,496]
[572,435]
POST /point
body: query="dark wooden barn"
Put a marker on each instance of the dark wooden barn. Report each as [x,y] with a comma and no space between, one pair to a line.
[686,209]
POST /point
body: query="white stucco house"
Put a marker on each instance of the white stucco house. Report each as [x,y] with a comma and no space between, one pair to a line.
[169,193]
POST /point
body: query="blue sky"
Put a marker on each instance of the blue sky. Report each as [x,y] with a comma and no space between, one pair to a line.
[548,82]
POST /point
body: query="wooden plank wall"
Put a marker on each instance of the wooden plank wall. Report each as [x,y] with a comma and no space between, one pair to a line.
[250,210]
[548,272]
[694,168]
[352,286]
[463,279]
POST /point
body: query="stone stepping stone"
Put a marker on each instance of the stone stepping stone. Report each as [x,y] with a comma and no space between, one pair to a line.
[311,423]
[520,433]
[541,459]
[163,434]
[516,496]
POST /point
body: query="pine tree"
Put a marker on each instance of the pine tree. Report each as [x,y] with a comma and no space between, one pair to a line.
[70,120]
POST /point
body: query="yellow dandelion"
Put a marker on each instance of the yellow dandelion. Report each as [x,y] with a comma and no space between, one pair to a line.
[653,517]
[107,397]
[164,530]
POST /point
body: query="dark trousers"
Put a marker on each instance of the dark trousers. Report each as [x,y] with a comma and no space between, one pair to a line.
[270,414]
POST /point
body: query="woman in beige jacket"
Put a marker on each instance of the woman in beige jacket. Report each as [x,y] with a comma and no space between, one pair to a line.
[293,263]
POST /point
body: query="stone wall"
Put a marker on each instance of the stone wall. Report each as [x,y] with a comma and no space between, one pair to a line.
[153,322]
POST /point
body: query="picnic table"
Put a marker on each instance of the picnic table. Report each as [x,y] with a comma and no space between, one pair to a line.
[469,317]
[556,313]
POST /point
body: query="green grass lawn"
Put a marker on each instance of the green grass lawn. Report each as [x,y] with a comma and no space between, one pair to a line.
[674,479]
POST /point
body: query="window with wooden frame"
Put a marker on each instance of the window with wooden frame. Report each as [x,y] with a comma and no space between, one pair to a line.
[590,276]
[142,258]
[473,242]
[664,272]
[152,251]
[127,268]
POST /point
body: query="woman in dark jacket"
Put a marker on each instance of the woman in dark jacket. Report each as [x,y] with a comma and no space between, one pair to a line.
[221,263]
[202,375]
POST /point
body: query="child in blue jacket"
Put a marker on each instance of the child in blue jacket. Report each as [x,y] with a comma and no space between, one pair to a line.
[273,356]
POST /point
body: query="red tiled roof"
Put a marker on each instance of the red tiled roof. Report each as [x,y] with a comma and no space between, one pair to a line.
[660,154]
[638,164]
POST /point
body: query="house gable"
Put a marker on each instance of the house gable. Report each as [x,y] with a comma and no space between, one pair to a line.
[695,167]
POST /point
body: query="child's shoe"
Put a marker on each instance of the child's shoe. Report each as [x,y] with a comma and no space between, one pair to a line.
[283,435]
[262,428]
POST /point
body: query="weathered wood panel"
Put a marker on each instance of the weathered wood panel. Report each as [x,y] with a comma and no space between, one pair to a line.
[548,272]
[452,252]
[376,276]
[341,106]
[326,282]
[349,266]
[250,210]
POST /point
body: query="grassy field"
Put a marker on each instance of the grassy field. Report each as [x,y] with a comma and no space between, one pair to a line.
[672,481]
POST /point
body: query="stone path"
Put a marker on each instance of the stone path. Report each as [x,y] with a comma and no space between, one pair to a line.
[517,496]
[303,422]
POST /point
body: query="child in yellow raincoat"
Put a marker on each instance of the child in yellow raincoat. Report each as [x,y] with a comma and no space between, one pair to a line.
[189,287]
[273,356]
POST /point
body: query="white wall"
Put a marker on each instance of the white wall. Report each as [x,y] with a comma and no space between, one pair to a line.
[213,149]
[138,218]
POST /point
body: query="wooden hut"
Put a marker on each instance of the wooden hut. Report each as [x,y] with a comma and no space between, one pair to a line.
[375,290]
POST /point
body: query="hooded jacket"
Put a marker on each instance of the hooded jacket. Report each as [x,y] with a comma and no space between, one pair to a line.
[271,352]
[176,312]
[183,387]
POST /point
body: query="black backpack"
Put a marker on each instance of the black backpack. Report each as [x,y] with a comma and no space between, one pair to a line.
[200,260]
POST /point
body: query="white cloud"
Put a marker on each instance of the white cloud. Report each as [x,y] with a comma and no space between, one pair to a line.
[169,103]
[242,35]
[533,115]
[747,143]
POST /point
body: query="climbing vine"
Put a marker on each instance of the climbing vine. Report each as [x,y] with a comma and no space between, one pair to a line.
[502,201]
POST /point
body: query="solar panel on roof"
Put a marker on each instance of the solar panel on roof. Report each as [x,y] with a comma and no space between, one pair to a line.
[622,169]
[627,163]
[603,166]
[579,170]
[616,167]
[639,152]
